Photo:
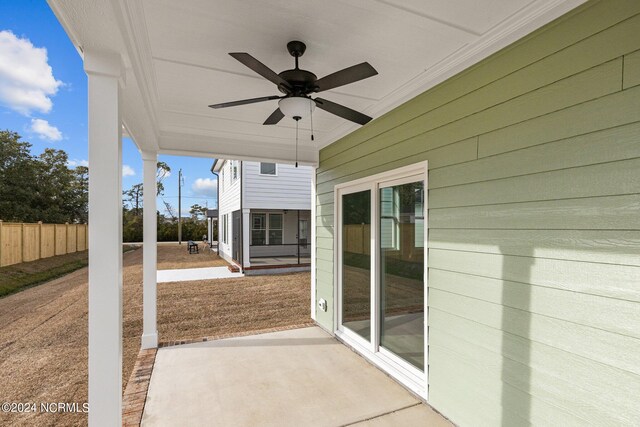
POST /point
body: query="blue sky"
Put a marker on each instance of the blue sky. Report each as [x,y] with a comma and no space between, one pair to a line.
[48,106]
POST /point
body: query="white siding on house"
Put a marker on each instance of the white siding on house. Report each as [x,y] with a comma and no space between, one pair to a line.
[288,189]
[229,200]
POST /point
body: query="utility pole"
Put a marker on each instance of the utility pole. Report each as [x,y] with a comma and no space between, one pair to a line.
[180,207]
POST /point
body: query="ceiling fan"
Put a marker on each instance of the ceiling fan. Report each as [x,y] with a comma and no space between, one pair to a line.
[297,85]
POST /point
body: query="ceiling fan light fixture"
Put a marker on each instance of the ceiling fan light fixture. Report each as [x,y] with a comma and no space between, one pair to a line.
[296,106]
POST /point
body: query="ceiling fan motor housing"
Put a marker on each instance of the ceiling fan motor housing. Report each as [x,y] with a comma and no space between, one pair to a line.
[303,82]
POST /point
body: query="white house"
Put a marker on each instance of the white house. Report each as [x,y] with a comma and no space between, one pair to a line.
[264,215]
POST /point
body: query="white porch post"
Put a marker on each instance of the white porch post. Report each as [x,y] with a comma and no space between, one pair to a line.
[313,243]
[149,251]
[246,238]
[105,238]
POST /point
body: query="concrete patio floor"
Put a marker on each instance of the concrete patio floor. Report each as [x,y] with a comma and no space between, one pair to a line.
[299,377]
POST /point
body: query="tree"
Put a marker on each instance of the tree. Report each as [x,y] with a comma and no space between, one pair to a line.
[357,208]
[54,181]
[39,188]
[170,210]
[80,194]
[134,198]
[198,212]
[134,195]
[163,170]
[17,179]
[133,206]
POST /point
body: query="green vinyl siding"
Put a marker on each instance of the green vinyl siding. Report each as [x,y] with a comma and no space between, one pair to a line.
[632,70]
[534,223]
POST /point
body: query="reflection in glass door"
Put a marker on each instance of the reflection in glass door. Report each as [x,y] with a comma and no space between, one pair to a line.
[401,246]
[356,263]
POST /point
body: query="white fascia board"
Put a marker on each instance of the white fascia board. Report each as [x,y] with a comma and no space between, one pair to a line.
[222,148]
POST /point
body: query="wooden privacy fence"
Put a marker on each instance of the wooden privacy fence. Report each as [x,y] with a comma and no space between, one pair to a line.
[356,239]
[22,242]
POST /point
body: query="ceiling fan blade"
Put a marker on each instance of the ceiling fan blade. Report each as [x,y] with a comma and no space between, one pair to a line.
[261,69]
[342,111]
[274,118]
[346,76]
[245,101]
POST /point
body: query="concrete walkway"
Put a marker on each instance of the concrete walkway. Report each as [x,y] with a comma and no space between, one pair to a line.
[186,274]
[299,377]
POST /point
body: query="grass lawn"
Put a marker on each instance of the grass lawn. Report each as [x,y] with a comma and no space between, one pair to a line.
[43,338]
[18,277]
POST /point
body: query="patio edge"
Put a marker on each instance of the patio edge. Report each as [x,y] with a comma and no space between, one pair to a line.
[163,344]
[135,394]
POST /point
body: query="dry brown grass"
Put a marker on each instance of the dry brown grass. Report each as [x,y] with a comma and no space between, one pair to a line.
[43,340]
[172,255]
[204,308]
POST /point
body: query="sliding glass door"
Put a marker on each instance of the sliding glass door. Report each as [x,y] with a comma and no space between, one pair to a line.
[401,249]
[356,263]
[381,271]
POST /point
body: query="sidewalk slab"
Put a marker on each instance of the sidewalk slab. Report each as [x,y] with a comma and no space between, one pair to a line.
[187,274]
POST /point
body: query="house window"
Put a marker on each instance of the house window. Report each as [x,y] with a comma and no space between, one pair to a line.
[266,233]
[275,229]
[389,218]
[258,229]
[268,169]
[224,224]
[419,218]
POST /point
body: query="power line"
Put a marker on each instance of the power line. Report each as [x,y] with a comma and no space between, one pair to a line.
[187,197]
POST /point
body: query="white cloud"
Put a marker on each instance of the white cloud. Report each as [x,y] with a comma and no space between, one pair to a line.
[127,170]
[26,78]
[75,162]
[204,187]
[44,130]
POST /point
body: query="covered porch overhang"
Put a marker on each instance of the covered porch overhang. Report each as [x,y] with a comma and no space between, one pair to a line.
[154,66]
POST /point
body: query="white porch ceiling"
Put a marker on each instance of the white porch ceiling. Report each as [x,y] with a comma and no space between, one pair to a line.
[176,55]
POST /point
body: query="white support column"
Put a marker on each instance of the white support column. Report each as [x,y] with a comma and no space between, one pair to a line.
[149,251]
[246,238]
[313,243]
[105,238]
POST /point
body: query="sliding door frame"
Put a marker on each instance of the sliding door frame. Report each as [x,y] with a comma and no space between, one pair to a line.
[411,377]
[353,337]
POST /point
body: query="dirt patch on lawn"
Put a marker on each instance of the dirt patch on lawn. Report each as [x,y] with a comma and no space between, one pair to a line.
[43,338]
